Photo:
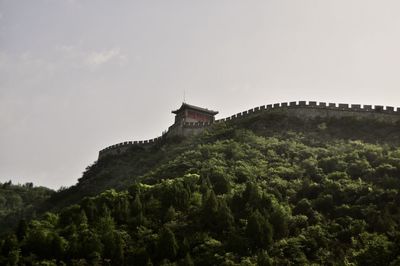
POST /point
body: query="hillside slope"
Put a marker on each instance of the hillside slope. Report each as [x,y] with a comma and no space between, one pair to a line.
[119,171]
[271,189]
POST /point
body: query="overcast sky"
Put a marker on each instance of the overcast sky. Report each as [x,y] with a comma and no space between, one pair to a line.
[79,75]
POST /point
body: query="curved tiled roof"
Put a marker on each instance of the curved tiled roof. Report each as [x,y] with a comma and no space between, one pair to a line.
[200,109]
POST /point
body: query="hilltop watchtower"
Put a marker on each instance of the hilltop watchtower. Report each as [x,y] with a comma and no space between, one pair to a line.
[190,119]
[193,114]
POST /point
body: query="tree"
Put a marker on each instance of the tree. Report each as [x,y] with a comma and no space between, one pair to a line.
[71,214]
[89,206]
[279,221]
[137,211]
[167,245]
[170,214]
[175,194]
[121,208]
[221,183]
[118,251]
[263,259]
[134,190]
[259,231]
[324,203]
[375,249]
[303,207]
[224,216]
[188,261]
[10,249]
[38,240]
[209,210]
[252,194]
[88,245]
[21,229]
[136,206]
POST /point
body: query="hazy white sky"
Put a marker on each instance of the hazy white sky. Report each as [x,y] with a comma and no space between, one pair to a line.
[79,75]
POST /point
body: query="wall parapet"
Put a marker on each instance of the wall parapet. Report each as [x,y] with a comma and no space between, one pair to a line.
[123,146]
[356,108]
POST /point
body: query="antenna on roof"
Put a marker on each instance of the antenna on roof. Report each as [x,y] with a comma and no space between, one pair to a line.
[184,96]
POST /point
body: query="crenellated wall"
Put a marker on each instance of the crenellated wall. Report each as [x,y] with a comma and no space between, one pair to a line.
[302,109]
[313,109]
[124,146]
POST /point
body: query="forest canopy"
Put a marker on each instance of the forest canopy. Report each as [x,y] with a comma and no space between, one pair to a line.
[237,195]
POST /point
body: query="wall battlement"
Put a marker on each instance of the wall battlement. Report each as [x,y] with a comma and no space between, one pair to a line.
[123,146]
[385,112]
[302,109]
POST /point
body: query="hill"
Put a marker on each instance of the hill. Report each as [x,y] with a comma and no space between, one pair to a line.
[268,189]
[119,171]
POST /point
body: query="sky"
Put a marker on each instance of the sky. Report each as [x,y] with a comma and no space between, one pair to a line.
[77,76]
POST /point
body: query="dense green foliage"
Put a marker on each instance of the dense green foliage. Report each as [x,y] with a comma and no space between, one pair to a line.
[19,201]
[266,191]
[117,172]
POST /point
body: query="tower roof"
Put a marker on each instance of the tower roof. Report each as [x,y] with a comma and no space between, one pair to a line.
[185,106]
